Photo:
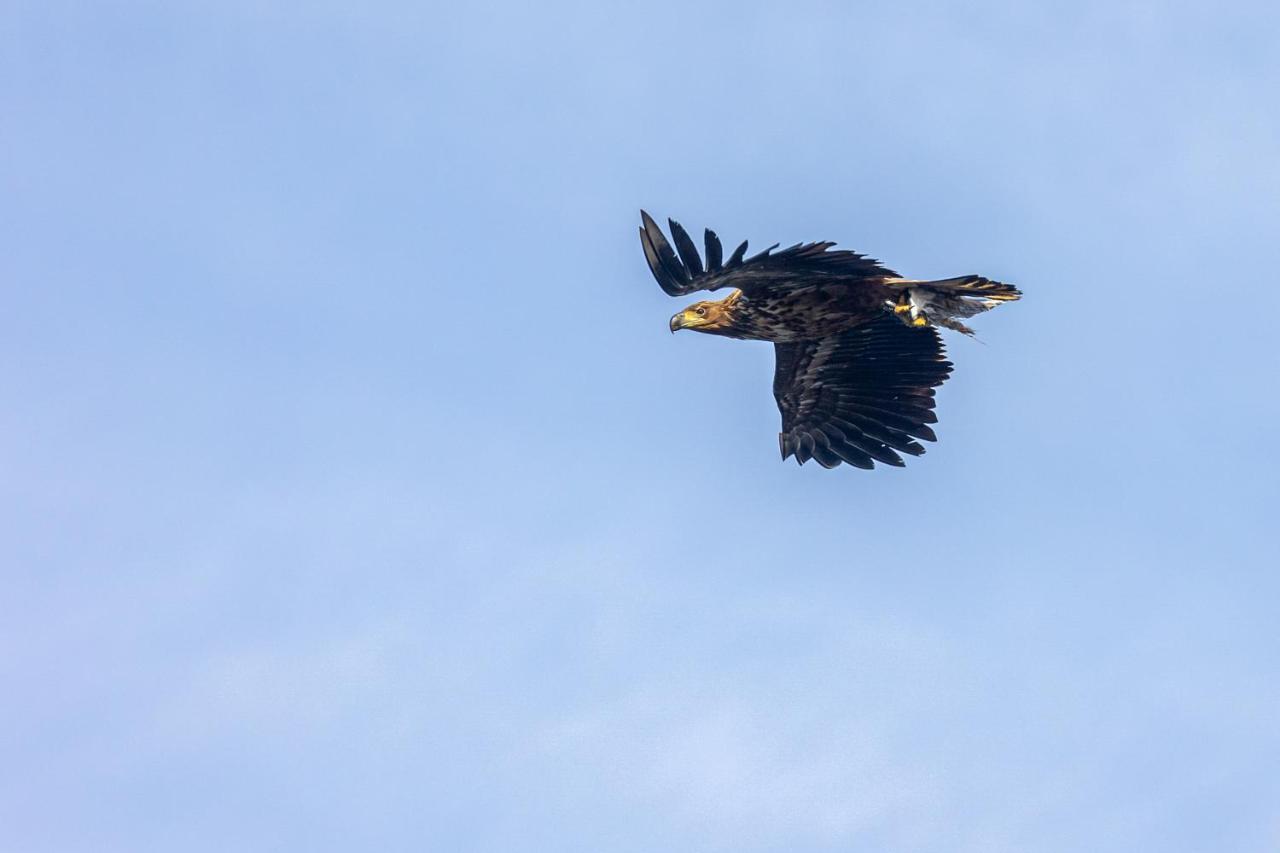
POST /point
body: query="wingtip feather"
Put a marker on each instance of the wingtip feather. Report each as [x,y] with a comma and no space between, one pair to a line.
[688,251]
[671,274]
[715,252]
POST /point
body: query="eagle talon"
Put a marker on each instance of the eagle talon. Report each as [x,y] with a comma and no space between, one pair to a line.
[922,320]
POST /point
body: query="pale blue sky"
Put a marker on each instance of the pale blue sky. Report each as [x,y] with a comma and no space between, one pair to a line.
[354,495]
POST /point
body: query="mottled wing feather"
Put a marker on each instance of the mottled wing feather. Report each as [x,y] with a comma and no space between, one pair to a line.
[860,396]
[769,272]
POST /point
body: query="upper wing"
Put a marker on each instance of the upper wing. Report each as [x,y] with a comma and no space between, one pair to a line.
[859,395]
[800,264]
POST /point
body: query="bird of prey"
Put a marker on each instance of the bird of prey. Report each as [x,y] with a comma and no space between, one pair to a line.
[858,357]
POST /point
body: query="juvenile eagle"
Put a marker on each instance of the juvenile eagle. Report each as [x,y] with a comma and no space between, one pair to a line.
[857,356]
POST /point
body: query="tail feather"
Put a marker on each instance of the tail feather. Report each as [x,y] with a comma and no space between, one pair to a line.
[946,301]
[963,285]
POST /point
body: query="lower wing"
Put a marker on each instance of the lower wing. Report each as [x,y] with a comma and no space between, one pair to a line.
[861,396]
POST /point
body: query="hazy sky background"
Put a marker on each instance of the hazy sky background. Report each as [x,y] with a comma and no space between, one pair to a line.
[354,495]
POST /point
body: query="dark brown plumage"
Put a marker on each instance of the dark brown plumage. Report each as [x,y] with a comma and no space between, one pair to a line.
[859,395]
[857,359]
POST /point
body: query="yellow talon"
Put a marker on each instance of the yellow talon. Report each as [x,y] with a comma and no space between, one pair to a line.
[920,321]
[901,309]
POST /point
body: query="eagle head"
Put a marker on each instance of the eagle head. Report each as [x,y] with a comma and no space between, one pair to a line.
[713,317]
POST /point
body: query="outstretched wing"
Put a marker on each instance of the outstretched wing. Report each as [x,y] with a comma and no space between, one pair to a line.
[803,263]
[860,396]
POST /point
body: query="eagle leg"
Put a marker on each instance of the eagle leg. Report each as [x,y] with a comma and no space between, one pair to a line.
[912,307]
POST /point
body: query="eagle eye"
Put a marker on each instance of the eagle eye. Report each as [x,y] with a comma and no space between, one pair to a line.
[700,311]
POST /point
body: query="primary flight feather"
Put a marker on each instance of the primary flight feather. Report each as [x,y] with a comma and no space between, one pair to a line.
[858,357]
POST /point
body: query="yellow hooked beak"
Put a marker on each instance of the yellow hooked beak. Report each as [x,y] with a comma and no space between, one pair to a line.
[689,318]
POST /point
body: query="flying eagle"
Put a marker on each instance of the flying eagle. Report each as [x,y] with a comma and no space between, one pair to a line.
[858,357]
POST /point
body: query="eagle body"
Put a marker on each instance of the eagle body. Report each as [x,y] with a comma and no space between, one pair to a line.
[857,356]
[806,313]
